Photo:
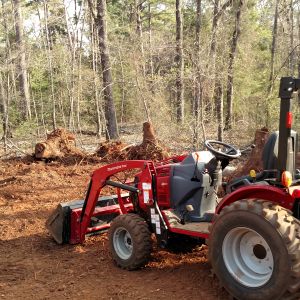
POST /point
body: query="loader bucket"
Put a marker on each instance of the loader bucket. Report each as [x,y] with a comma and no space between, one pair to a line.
[64,226]
[58,223]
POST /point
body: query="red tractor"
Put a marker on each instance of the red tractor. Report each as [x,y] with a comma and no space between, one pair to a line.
[253,233]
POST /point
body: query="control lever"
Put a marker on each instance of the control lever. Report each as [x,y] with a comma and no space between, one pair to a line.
[194,178]
[250,147]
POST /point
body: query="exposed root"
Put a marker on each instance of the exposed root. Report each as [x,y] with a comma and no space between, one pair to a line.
[60,143]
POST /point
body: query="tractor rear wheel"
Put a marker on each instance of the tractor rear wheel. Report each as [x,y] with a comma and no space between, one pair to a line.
[130,241]
[254,249]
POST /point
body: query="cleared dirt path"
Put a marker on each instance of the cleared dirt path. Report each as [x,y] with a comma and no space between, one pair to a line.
[32,266]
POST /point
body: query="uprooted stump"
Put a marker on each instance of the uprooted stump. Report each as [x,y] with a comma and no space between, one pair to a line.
[112,150]
[254,161]
[150,148]
[60,143]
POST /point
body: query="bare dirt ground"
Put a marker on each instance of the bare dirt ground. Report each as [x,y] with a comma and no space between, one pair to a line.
[33,266]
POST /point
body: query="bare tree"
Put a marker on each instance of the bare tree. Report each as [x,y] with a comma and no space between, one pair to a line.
[218,94]
[4,111]
[272,62]
[232,55]
[94,43]
[47,45]
[22,64]
[291,31]
[198,103]
[298,51]
[217,13]
[180,63]
[110,112]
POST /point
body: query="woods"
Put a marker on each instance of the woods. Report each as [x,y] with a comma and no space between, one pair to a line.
[201,67]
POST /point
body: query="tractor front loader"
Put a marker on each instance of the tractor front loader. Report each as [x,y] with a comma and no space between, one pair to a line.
[253,233]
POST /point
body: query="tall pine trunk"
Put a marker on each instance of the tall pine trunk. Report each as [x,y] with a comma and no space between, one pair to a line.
[291,32]
[232,55]
[110,112]
[298,52]
[22,64]
[198,103]
[4,111]
[218,98]
[180,63]
[273,50]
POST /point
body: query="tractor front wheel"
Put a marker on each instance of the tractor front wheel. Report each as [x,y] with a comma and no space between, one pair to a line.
[130,241]
[254,249]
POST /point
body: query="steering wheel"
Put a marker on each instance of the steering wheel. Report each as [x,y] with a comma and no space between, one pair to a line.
[222,150]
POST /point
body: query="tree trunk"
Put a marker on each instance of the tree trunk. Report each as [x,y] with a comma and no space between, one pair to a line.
[298,51]
[180,63]
[218,98]
[71,85]
[150,40]
[213,42]
[139,31]
[110,112]
[291,23]
[211,66]
[50,66]
[4,112]
[95,78]
[22,64]
[232,55]
[273,50]
[197,104]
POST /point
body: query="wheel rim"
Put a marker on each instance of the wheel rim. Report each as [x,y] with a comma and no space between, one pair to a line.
[248,257]
[123,243]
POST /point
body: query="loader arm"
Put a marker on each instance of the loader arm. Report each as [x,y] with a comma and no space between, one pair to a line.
[100,178]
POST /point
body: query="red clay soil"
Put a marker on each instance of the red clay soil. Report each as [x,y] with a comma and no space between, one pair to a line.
[33,266]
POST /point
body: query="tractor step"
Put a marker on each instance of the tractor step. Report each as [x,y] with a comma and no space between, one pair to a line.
[189,228]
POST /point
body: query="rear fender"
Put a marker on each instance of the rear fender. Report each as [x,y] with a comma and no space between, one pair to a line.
[270,193]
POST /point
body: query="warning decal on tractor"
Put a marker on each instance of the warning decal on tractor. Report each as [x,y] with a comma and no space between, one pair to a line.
[155,220]
[146,191]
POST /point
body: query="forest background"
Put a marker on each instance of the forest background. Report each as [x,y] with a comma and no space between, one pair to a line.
[196,69]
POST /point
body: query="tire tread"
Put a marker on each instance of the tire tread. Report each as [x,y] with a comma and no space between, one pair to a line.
[142,236]
[286,225]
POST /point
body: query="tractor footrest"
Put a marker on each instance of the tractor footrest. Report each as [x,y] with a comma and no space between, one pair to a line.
[175,224]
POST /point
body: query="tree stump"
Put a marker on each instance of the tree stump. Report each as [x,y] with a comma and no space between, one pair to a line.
[59,143]
[148,133]
[150,148]
[254,162]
